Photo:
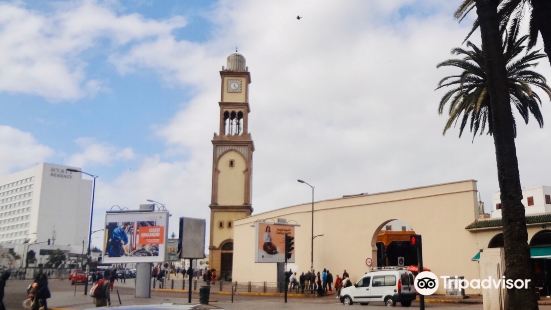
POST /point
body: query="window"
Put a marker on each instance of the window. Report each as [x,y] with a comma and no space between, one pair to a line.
[548,199]
[364,282]
[389,280]
[498,206]
[530,201]
[229,224]
[388,227]
[220,224]
[232,163]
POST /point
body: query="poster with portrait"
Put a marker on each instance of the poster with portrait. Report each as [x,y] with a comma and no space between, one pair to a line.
[135,237]
[270,242]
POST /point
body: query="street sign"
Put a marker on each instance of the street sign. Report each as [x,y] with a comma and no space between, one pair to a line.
[401,261]
[368,262]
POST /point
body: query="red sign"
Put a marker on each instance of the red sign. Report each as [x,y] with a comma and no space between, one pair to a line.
[368,262]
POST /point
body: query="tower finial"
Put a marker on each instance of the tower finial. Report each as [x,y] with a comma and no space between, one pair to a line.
[236,49]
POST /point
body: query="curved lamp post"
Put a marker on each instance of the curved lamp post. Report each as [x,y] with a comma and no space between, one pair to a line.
[94,177]
[312,235]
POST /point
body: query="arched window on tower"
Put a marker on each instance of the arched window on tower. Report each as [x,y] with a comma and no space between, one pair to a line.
[226,122]
[239,122]
[233,120]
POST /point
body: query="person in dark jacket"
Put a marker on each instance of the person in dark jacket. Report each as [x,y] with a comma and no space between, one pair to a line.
[42,292]
[3,279]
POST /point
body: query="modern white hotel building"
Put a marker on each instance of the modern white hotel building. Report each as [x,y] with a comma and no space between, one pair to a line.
[44,202]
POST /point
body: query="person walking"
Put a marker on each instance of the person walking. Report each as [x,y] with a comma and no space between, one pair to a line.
[329,280]
[338,285]
[301,282]
[318,285]
[345,274]
[42,293]
[324,280]
[102,295]
[3,279]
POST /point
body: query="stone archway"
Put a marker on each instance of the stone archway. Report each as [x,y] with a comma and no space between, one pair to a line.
[226,260]
[496,241]
[390,244]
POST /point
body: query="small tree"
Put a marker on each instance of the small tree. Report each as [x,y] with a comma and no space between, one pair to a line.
[56,259]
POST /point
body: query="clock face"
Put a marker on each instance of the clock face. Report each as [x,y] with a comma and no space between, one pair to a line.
[234,86]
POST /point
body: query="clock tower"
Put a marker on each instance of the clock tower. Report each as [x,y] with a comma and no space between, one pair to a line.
[231,164]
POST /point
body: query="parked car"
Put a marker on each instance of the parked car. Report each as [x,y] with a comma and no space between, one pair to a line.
[389,285]
[77,276]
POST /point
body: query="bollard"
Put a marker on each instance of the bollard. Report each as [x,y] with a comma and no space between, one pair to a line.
[154,283]
[264,290]
[221,281]
[204,293]
[172,284]
[249,287]
[195,286]
[183,284]
[231,292]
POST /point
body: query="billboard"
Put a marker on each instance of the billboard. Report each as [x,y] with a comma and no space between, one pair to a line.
[192,238]
[172,254]
[135,237]
[270,242]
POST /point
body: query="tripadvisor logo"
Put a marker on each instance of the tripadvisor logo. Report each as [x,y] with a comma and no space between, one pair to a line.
[427,283]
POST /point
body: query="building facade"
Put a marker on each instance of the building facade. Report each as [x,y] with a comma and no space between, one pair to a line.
[536,200]
[231,164]
[349,228]
[45,202]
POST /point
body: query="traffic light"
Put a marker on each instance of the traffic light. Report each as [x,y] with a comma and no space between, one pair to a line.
[413,240]
[289,246]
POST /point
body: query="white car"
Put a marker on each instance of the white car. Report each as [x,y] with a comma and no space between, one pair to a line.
[389,285]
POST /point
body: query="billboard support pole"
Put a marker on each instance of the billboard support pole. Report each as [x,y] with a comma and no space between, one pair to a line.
[143,280]
[190,278]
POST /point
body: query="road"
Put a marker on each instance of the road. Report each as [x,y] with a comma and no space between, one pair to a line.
[65,296]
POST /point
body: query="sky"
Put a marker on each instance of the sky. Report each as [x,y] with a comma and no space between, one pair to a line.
[343,98]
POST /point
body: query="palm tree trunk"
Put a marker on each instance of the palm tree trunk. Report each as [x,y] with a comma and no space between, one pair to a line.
[542,18]
[517,253]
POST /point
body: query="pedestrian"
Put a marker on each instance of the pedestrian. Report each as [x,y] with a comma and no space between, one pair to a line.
[301,282]
[293,283]
[42,293]
[338,285]
[318,285]
[3,279]
[213,276]
[101,291]
[345,274]
[329,280]
[324,280]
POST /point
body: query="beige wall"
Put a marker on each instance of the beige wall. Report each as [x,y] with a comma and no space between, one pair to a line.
[234,97]
[439,213]
[225,233]
[231,180]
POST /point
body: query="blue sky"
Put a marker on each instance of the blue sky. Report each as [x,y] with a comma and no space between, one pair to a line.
[343,98]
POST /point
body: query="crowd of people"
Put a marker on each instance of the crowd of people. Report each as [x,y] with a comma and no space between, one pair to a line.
[319,283]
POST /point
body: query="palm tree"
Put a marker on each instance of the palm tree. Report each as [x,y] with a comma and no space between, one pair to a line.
[511,12]
[515,235]
[469,100]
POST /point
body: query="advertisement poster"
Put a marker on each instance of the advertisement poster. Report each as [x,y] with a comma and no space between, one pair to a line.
[135,237]
[270,242]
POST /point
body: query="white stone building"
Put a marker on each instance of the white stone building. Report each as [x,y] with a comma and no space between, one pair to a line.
[536,200]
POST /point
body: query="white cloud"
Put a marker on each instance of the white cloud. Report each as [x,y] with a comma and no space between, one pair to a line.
[41,53]
[19,150]
[94,152]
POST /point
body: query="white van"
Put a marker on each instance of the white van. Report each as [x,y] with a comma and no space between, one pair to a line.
[389,285]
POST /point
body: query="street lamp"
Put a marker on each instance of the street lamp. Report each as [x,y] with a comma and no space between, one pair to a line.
[94,177]
[312,235]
